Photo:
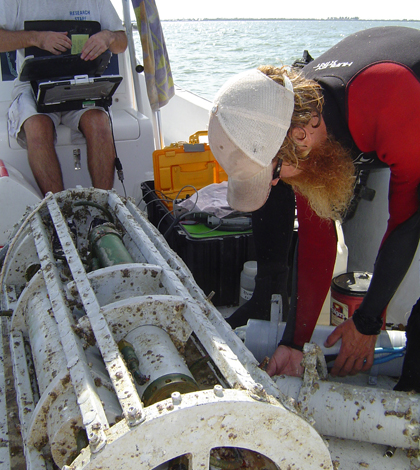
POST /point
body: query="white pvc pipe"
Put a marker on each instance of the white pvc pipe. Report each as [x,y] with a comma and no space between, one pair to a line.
[262,338]
[359,413]
[342,410]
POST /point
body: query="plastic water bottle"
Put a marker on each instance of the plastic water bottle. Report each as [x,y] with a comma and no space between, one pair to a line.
[247,285]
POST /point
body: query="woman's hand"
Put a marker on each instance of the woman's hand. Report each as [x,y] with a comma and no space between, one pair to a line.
[287,361]
[356,352]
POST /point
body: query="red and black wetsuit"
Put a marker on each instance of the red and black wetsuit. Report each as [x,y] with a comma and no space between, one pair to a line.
[371,85]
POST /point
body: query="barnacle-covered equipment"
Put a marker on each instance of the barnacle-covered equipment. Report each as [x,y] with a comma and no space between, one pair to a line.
[120,361]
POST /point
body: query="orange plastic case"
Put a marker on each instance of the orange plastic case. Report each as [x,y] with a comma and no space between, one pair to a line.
[182,166]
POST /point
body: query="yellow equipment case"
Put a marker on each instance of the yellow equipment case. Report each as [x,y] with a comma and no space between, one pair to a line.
[183,166]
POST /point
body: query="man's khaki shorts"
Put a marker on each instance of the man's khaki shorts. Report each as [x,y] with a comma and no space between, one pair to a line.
[23,107]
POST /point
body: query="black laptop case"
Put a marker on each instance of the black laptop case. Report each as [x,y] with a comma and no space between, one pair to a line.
[79,93]
[66,82]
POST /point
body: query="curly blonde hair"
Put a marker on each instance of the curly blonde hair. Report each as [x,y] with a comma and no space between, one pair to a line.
[308,103]
[327,178]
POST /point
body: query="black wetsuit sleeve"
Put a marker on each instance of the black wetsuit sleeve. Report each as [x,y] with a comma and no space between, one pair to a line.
[391,265]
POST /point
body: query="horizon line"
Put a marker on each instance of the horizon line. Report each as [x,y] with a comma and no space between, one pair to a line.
[334,18]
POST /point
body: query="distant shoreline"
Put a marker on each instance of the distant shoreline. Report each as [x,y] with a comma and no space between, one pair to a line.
[283,19]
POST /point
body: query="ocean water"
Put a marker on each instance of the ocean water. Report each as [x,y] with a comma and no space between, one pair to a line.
[204,54]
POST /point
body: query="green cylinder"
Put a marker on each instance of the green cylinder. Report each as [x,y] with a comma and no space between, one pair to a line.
[107,246]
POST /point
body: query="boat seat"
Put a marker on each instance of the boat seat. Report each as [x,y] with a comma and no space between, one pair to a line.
[125,124]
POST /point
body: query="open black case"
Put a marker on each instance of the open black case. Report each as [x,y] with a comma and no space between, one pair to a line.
[66,82]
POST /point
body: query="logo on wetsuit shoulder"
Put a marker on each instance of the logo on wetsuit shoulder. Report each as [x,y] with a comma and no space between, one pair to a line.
[369,159]
[364,159]
[332,64]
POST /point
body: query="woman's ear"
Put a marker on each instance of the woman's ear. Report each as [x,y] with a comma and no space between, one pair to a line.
[299,135]
[311,134]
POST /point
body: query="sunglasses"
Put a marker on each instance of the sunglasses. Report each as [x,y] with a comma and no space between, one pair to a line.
[277,170]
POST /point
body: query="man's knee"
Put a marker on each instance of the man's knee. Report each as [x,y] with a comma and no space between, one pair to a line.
[39,129]
[94,120]
[39,123]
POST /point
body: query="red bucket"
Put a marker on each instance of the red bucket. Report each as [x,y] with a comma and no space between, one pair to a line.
[347,293]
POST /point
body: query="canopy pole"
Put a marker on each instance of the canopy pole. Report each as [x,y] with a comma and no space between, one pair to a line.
[132,52]
[157,130]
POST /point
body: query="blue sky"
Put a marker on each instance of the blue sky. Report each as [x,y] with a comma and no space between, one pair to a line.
[364,9]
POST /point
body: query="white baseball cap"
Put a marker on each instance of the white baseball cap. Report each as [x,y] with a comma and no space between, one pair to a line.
[249,120]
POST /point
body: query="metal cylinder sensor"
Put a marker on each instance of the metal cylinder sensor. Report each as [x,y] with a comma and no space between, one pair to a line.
[107,246]
[161,363]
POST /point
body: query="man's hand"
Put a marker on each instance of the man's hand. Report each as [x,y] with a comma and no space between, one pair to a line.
[53,42]
[285,360]
[356,352]
[115,41]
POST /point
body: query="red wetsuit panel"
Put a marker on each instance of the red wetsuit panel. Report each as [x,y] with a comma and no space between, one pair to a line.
[383,115]
[316,259]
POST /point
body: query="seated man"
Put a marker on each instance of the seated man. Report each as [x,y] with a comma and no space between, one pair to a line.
[37,132]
